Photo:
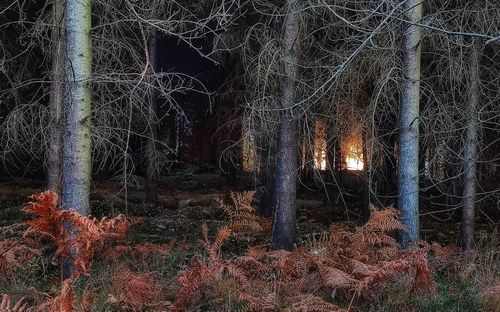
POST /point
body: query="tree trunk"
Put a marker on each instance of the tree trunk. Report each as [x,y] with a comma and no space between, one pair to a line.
[389,165]
[77,163]
[409,122]
[364,192]
[288,143]
[151,153]
[470,152]
[55,155]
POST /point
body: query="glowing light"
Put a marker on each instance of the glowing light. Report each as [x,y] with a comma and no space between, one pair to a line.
[354,163]
[352,149]
[320,144]
[320,159]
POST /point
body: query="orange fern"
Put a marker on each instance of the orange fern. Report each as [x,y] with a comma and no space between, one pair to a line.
[6,305]
[341,262]
[91,236]
[241,213]
[15,254]
[77,238]
[137,291]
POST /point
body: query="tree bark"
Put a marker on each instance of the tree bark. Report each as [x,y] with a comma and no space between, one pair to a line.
[77,163]
[288,143]
[409,122]
[364,192]
[470,151]
[151,153]
[55,155]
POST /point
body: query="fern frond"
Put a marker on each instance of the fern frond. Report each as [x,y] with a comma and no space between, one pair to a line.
[137,291]
[261,303]
[15,254]
[257,252]
[334,278]
[311,303]
[19,306]
[63,302]
[385,220]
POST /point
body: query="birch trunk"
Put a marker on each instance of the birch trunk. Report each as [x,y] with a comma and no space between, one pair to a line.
[409,122]
[55,156]
[288,143]
[151,153]
[77,137]
[470,152]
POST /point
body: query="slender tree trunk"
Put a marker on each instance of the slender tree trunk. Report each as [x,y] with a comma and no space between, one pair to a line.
[470,152]
[364,192]
[288,143]
[389,165]
[409,121]
[55,156]
[77,163]
[151,153]
[265,177]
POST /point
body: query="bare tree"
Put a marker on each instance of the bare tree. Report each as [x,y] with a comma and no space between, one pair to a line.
[470,149]
[288,140]
[409,123]
[151,150]
[77,158]
[55,154]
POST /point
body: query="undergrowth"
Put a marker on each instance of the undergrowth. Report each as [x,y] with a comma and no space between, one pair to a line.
[231,268]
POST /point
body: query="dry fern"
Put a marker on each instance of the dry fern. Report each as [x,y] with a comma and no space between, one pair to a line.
[6,305]
[14,254]
[241,214]
[90,237]
[137,291]
[311,303]
[63,302]
[343,261]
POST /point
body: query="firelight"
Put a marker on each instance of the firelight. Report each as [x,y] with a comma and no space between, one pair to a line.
[354,163]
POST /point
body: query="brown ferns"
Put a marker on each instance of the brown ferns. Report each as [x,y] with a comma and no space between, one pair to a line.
[344,262]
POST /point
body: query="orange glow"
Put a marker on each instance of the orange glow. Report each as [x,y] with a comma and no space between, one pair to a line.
[354,163]
[320,144]
[352,148]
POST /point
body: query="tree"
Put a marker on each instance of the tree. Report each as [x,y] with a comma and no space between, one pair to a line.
[288,140]
[151,151]
[409,123]
[470,149]
[77,158]
[55,155]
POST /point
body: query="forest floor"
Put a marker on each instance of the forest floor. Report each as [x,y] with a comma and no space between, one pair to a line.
[174,228]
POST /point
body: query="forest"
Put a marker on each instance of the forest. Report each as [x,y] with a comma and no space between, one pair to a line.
[249,155]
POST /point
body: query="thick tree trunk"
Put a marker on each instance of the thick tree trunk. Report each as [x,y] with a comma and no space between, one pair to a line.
[288,143]
[77,164]
[470,152]
[151,153]
[409,122]
[55,154]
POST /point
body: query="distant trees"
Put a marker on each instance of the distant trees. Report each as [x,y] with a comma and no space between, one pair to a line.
[463,76]
[348,64]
